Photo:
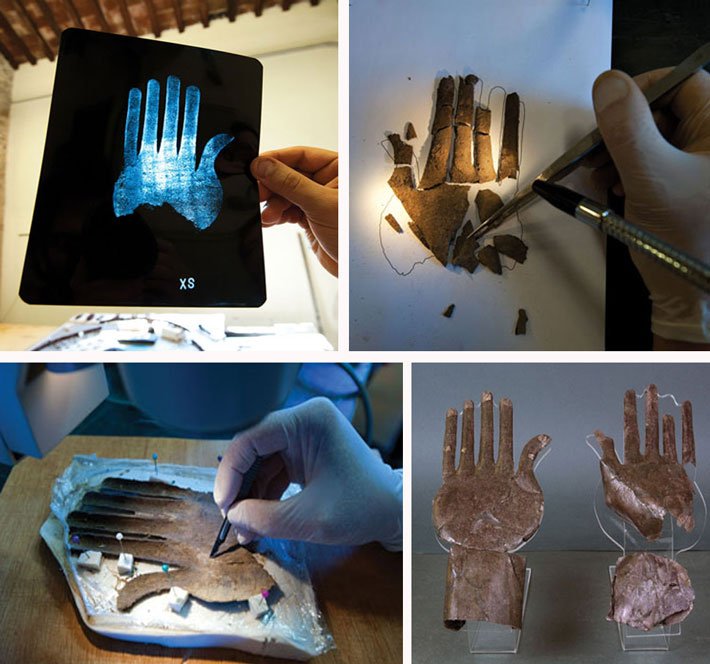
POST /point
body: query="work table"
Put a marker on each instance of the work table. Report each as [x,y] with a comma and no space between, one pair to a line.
[358,590]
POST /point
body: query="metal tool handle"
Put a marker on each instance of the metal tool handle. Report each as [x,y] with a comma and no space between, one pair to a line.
[681,264]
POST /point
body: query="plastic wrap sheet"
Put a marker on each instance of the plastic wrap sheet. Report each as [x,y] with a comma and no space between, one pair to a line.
[294,627]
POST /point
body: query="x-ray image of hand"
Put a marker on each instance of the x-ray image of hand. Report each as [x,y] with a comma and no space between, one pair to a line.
[162,170]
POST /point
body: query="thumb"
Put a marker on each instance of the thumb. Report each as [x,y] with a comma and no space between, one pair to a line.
[286,182]
[628,129]
[266,518]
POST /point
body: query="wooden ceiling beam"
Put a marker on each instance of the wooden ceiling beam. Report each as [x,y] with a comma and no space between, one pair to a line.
[8,29]
[153,17]
[29,21]
[126,17]
[8,56]
[102,18]
[71,9]
[177,9]
[204,13]
[259,7]
[232,10]
[49,17]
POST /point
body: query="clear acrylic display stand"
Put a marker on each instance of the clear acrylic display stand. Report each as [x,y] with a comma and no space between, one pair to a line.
[486,637]
[673,541]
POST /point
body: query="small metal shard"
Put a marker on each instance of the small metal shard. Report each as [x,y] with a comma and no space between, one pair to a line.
[511,246]
[409,131]
[521,326]
[465,249]
[448,312]
[487,203]
[488,257]
[394,223]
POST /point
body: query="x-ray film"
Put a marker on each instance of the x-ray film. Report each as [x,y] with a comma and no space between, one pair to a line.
[145,197]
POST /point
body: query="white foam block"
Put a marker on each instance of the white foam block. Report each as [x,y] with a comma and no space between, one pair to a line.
[172,333]
[177,597]
[125,564]
[90,560]
[258,605]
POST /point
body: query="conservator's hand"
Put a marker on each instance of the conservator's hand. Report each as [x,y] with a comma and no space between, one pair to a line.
[349,497]
[661,163]
[300,186]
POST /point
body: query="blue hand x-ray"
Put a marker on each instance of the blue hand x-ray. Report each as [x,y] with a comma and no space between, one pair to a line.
[161,171]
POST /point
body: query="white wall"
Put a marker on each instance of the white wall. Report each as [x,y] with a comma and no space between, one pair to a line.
[299,52]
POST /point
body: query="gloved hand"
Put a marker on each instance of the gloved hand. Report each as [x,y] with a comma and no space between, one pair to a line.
[300,186]
[663,162]
[349,497]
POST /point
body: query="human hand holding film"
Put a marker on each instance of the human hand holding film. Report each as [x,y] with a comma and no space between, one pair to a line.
[300,186]
[646,486]
[660,162]
[161,171]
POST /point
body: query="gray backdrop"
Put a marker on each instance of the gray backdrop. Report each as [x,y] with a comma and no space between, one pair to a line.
[566,401]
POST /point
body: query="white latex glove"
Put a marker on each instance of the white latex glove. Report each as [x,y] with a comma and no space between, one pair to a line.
[663,161]
[349,497]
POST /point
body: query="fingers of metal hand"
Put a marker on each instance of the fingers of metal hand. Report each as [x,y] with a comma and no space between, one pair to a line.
[126,505]
[189,125]
[449,464]
[168,142]
[669,450]
[466,460]
[485,455]
[505,446]
[607,445]
[651,450]
[99,523]
[133,122]
[150,124]
[632,443]
[687,433]
[529,454]
[141,549]
[438,160]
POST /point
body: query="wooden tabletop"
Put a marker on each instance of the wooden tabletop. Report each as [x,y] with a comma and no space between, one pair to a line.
[359,590]
[21,337]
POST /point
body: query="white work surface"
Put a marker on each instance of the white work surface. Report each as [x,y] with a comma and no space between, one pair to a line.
[549,52]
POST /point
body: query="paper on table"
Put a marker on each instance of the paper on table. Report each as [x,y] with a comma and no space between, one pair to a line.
[548,52]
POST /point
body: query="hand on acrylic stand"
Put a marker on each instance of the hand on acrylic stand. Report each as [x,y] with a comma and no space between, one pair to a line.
[485,512]
[652,510]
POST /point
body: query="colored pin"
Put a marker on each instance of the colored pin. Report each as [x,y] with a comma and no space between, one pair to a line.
[265,593]
[75,539]
[119,537]
[155,461]
[219,458]
[166,568]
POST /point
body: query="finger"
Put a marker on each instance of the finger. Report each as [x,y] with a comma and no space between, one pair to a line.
[505,446]
[608,451]
[288,183]
[669,450]
[168,144]
[130,134]
[214,146]
[529,454]
[651,450]
[449,464]
[189,124]
[150,126]
[627,127]
[466,459]
[605,177]
[485,454]
[687,99]
[275,208]
[268,437]
[278,519]
[321,164]
[687,433]
[632,443]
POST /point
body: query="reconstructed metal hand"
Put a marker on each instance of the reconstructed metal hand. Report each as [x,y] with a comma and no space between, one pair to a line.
[160,171]
[166,525]
[486,510]
[488,505]
[645,487]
